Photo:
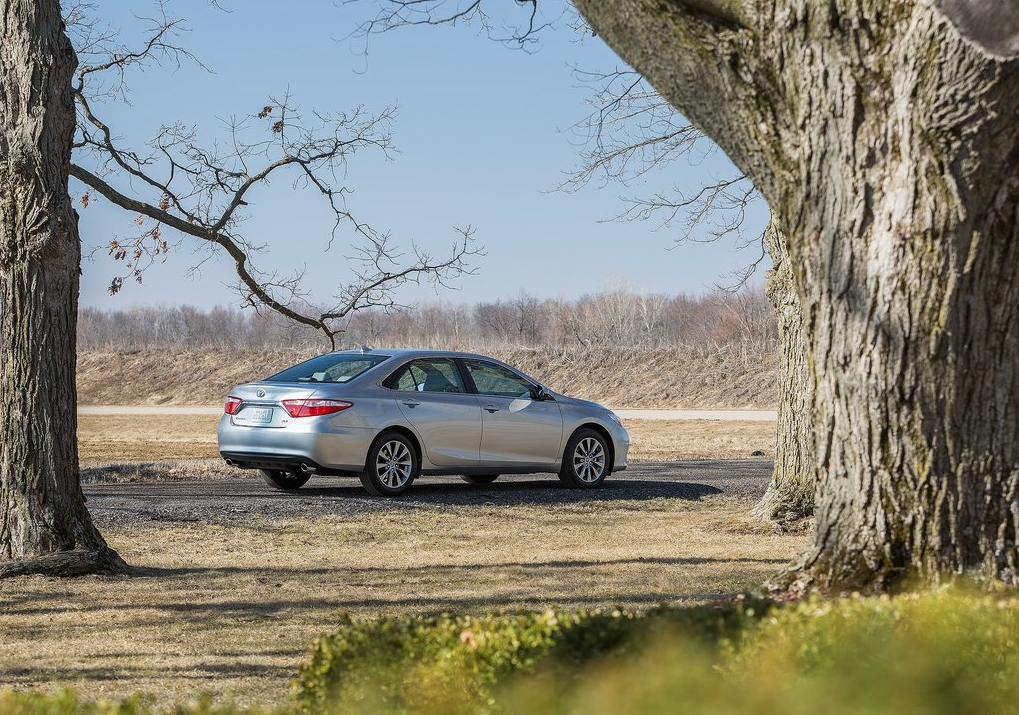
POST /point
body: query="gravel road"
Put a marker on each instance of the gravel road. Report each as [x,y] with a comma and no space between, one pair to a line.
[228,501]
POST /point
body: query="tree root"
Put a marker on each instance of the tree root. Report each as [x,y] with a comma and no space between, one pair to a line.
[778,507]
[811,576]
[74,562]
[790,584]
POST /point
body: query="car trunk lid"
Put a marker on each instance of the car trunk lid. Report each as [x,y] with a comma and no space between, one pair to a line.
[262,403]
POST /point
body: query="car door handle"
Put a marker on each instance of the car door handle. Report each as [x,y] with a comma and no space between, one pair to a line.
[411,403]
[491,408]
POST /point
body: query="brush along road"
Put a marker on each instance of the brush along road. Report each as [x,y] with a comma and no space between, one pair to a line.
[232,501]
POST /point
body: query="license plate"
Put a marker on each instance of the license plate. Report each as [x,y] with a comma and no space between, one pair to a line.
[262,415]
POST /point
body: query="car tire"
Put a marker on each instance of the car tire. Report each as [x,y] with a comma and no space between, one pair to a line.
[479,478]
[285,480]
[585,460]
[391,466]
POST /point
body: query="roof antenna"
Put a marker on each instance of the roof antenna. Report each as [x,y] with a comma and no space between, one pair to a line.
[365,348]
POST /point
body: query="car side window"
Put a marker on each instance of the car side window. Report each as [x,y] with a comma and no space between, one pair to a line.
[495,380]
[402,380]
[426,375]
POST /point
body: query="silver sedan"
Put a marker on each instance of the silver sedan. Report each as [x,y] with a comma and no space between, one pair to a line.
[388,416]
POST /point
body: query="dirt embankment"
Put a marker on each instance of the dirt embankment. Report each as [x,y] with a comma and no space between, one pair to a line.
[678,378]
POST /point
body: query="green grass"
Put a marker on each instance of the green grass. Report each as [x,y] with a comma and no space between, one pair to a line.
[68,703]
[947,652]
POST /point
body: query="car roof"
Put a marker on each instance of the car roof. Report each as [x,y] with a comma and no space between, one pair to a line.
[405,353]
[411,352]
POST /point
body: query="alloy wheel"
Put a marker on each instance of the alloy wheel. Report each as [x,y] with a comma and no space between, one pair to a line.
[589,460]
[394,464]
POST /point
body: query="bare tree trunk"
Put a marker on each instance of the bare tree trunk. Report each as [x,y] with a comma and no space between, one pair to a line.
[44,524]
[790,494]
[907,260]
[888,147]
[915,347]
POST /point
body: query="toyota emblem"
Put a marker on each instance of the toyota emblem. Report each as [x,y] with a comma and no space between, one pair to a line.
[260,393]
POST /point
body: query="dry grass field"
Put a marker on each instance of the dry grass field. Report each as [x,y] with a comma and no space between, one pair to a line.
[691,439]
[135,438]
[231,609]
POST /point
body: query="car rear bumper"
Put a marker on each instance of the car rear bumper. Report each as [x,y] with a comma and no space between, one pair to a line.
[289,463]
[318,444]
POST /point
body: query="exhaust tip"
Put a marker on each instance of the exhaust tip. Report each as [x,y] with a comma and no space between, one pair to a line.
[306,469]
[229,462]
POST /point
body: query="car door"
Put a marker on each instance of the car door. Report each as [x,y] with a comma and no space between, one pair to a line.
[517,430]
[433,398]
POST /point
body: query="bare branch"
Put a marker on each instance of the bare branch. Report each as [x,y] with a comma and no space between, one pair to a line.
[631,131]
[740,278]
[713,33]
[101,53]
[718,210]
[380,274]
[199,190]
[514,28]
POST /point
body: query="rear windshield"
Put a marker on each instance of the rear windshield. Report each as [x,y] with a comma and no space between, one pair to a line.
[328,368]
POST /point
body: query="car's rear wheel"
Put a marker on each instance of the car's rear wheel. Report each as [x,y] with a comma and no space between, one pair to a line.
[391,466]
[585,461]
[287,481]
[479,478]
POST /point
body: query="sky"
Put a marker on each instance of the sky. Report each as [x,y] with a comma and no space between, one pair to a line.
[483,134]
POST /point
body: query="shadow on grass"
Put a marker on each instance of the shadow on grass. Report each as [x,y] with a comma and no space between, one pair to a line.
[522,491]
[347,571]
[242,610]
[199,672]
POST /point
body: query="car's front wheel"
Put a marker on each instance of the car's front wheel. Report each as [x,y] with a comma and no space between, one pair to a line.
[586,460]
[391,466]
[287,481]
[479,478]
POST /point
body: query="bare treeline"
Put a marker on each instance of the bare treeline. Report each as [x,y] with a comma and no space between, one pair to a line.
[713,351]
[616,318]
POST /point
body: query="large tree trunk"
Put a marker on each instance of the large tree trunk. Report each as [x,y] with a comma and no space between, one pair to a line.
[914,320]
[888,147]
[790,494]
[44,525]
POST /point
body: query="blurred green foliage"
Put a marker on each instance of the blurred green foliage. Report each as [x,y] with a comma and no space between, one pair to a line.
[419,663]
[949,652]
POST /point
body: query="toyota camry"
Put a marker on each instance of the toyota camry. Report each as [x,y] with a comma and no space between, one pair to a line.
[389,416]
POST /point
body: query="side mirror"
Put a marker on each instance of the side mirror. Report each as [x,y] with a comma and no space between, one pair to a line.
[540,394]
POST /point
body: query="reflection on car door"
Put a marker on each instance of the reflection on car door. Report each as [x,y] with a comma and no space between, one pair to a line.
[517,430]
[433,399]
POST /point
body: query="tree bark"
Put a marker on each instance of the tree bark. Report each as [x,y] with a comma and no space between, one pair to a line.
[790,494]
[44,524]
[888,146]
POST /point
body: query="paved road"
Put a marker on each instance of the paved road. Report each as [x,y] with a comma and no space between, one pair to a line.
[238,500]
[725,415]
[149,410]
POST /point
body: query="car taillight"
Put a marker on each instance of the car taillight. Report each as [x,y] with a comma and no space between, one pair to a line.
[314,408]
[232,405]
